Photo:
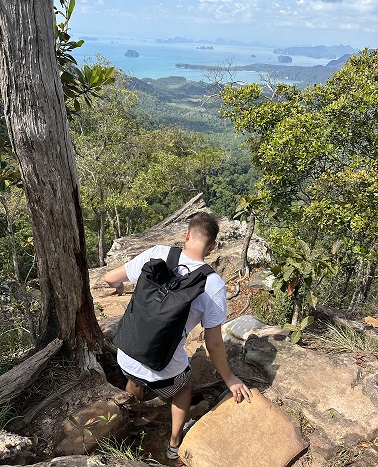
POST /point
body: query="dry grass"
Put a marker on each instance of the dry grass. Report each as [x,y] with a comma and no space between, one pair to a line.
[338,339]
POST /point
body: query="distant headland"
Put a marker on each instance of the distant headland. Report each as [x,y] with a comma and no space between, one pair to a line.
[318,51]
[302,74]
[219,41]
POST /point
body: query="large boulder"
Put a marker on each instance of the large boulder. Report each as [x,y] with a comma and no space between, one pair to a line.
[81,431]
[256,434]
[335,396]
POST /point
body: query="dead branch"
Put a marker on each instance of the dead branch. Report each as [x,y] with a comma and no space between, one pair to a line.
[24,374]
[246,306]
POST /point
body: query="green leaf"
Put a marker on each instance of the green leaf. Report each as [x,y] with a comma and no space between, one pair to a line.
[289,327]
[287,273]
[87,432]
[72,420]
[67,77]
[306,322]
[295,337]
[77,105]
[278,285]
[70,9]
[276,270]
[308,281]
[68,92]
[311,299]
[109,72]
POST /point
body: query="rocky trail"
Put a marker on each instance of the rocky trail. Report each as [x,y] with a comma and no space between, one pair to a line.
[312,408]
[339,424]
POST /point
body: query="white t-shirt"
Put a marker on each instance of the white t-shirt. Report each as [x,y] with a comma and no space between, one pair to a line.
[209,307]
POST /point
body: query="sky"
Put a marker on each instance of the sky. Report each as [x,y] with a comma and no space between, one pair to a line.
[274,23]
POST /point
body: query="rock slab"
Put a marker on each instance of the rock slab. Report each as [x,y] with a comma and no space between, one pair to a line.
[242,435]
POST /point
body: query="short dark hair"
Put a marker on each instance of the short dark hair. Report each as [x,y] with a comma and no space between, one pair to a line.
[206,225]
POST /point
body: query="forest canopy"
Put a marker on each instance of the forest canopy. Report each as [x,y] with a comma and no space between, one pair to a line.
[317,151]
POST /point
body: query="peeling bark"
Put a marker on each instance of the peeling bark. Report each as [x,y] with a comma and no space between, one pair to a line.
[37,124]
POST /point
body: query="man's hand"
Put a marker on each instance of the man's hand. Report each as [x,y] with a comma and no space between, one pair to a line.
[116,278]
[120,289]
[239,389]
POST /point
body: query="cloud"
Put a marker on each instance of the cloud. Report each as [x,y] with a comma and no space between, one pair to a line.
[261,18]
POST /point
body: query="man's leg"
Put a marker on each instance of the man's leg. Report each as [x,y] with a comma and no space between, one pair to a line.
[180,408]
[133,388]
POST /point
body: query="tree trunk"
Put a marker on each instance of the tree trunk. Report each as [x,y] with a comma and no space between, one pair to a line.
[297,307]
[101,239]
[115,223]
[37,123]
[246,242]
[10,229]
[365,276]
[118,223]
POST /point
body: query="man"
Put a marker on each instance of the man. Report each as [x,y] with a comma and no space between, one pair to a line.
[209,308]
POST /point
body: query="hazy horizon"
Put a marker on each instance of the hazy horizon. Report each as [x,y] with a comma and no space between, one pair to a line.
[286,23]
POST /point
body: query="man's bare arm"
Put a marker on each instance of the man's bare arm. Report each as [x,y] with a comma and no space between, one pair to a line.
[116,278]
[217,352]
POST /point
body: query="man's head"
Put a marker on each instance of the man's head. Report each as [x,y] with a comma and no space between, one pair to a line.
[204,227]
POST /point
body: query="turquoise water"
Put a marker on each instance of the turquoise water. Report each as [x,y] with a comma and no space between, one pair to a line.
[159,60]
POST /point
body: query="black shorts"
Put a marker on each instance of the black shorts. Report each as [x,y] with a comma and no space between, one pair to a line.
[165,388]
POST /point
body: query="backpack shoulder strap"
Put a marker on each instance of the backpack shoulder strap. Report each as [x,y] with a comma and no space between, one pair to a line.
[205,269]
[173,257]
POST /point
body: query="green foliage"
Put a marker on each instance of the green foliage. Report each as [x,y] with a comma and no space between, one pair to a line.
[9,172]
[170,101]
[132,176]
[296,330]
[317,152]
[15,338]
[303,268]
[111,448]
[272,309]
[86,82]
[16,203]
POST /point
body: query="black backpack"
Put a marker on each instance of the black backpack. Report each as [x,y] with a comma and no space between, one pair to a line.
[154,320]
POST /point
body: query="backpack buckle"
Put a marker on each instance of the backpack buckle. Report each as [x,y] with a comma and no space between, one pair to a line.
[161,294]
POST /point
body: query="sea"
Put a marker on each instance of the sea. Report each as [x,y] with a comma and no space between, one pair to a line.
[158,60]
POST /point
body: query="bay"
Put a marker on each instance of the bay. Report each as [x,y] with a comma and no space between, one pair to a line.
[158,60]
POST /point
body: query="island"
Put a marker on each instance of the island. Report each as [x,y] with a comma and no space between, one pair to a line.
[174,40]
[132,53]
[284,59]
[318,51]
[204,47]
